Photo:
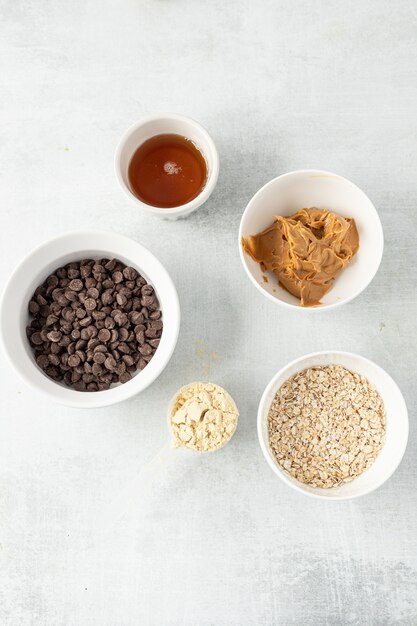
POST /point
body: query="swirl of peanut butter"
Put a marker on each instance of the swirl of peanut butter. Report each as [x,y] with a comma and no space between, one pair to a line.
[306,251]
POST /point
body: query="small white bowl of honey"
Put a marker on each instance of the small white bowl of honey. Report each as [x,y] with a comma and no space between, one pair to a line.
[167,165]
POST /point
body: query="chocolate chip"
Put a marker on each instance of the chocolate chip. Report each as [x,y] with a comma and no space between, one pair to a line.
[50,320]
[99,324]
[104,335]
[43,361]
[114,335]
[94,323]
[85,270]
[33,307]
[110,265]
[92,331]
[107,297]
[54,335]
[121,318]
[52,372]
[70,295]
[130,273]
[125,377]
[145,349]
[147,301]
[54,359]
[120,368]
[121,299]
[81,355]
[109,322]
[74,360]
[90,304]
[41,300]
[68,314]
[136,317]
[96,369]
[117,277]
[90,282]
[73,273]
[147,290]
[99,315]
[52,280]
[85,321]
[93,292]
[123,334]
[110,363]
[76,284]
[62,300]
[99,357]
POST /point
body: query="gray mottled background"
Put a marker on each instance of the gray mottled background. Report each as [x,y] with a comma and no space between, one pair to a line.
[212,540]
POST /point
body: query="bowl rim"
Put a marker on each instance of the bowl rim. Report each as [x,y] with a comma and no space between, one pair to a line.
[265,447]
[297,307]
[99,398]
[212,177]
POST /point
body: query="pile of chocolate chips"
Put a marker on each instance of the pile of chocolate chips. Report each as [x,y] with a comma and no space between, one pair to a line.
[94,323]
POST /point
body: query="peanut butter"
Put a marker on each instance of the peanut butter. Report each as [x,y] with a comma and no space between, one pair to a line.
[306,251]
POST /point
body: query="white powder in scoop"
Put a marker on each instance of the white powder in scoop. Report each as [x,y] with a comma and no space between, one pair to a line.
[203,417]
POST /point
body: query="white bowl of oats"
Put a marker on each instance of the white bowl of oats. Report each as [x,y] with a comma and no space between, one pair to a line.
[333,425]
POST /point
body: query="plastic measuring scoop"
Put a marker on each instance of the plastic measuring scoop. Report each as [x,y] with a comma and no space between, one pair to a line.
[160,462]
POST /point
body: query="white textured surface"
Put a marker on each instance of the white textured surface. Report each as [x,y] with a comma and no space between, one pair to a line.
[217,539]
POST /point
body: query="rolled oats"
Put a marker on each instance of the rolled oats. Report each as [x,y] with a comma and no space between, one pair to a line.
[326,425]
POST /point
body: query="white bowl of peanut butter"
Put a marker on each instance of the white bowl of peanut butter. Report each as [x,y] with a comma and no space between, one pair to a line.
[310,239]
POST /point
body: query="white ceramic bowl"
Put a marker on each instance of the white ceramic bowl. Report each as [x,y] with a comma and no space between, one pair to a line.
[35,268]
[396,429]
[158,125]
[307,188]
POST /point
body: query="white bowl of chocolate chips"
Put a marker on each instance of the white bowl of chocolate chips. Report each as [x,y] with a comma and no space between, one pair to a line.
[310,239]
[89,318]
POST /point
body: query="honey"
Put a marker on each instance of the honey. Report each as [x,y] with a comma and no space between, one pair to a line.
[167,171]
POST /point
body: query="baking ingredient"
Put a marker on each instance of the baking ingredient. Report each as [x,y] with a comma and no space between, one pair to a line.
[203,417]
[326,425]
[167,171]
[306,251]
[95,322]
